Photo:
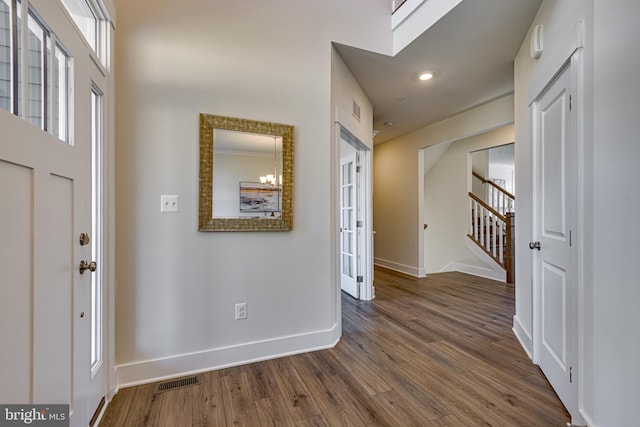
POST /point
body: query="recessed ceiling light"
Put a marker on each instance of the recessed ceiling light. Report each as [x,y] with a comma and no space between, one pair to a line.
[388,123]
[425,76]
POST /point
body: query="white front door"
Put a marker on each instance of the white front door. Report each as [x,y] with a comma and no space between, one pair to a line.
[51,314]
[555,269]
[91,354]
[43,185]
[348,225]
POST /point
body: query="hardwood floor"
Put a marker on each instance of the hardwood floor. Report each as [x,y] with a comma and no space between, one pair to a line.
[426,352]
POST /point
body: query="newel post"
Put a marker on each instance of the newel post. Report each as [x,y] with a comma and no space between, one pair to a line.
[509,259]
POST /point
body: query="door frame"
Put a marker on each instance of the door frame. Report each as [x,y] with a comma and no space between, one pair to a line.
[575,66]
[365,201]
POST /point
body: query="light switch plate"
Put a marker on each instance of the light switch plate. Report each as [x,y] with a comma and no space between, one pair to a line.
[169,203]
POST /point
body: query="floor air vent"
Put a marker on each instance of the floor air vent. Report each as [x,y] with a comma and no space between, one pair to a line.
[179,383]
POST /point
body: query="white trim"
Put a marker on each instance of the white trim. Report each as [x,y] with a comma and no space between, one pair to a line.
[404,12]
[367,290]
[492,265]
[421,210]
[343,133]
[578,92]
[524,336]
[415,17]
[474,270]
[572,63]
[402,268]
[148,371]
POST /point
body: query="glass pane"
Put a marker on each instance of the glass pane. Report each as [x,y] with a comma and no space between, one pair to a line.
[18,59]
[347,216]
[347,196]
[346,173]
[85,19]
[5,56]
[61,63]
[96,229]
[347,265]
[347,242]
[35,82]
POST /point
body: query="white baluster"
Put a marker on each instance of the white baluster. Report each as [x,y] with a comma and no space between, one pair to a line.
[501,242]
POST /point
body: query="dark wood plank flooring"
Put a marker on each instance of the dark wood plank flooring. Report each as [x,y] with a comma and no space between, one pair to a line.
[426,352]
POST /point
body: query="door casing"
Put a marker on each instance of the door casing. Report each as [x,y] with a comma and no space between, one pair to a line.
[575,297]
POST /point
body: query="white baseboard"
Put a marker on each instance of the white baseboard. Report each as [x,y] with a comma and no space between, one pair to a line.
[406,269]
[161,369]
[587,419]
[487,273]
[484,257]
[526,341]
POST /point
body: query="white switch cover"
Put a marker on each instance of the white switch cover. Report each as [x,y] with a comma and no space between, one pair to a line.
[169,203]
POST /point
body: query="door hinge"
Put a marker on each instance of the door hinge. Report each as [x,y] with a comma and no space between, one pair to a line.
[570,238]
[570,374]
[358,169]
[570,102]
[360,279]
[359,224]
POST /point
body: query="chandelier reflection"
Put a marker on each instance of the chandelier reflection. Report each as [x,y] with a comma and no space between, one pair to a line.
[271,178]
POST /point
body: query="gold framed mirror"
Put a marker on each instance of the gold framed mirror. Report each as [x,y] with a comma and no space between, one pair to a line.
[246,175]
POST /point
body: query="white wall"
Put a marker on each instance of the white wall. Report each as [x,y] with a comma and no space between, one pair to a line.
[609,340]
[398,191]
[344,91]
[559,20]
[446,204]
[614,398]
[479,165]
[176,287]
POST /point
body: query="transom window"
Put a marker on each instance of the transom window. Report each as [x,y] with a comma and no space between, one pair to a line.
[91,19]
[46,82]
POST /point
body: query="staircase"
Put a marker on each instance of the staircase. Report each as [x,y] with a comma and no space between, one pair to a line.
[492,224]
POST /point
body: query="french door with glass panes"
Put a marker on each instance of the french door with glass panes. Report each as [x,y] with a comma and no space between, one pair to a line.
[348,225]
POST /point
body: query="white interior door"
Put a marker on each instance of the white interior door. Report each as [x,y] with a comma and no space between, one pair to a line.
[348,225]
[555,269]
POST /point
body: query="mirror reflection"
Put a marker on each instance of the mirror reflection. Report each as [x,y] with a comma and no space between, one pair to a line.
[246,175]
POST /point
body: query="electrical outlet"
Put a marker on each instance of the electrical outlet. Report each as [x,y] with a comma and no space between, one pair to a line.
[241,311]
[169,203]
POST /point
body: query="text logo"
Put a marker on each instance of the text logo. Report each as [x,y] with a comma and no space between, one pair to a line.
[34,415]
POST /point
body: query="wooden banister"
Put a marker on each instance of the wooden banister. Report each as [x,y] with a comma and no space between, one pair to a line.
[397,5]
[494,185]
[487,207]
[493,232]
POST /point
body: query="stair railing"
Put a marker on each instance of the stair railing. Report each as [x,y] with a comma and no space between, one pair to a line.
[497,197]
[493,232]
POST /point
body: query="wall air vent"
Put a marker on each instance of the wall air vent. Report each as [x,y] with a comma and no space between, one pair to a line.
[356,110]
[179,383]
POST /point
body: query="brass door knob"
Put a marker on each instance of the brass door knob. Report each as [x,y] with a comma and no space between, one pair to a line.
[84,266]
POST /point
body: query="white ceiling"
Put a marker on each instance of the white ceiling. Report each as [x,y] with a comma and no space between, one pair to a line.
[470,51]
[229,141]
